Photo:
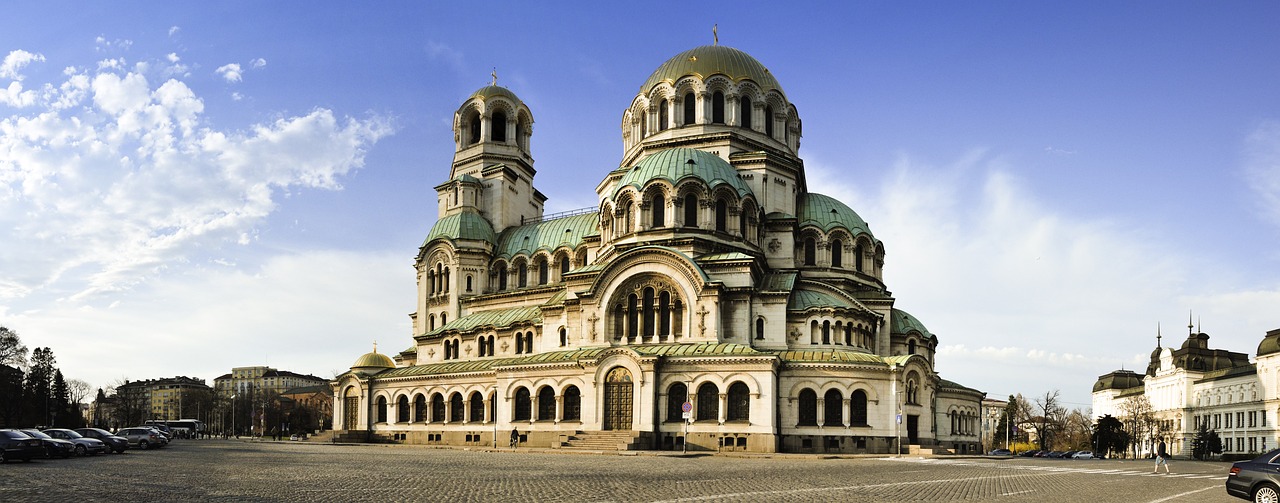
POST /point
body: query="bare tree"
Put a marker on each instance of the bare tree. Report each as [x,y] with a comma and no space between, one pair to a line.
[12,352]
[1139,420]
[77,390]
[1051,415]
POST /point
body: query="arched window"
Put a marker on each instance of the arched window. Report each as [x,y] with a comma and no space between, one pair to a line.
[528,342]
[644,123]
[521,410]
[722,216]
[663,120]
[498,127]
[739,402]
[564,266]
[431,282]
[546,404]
[858,408]
[633,316]
[759,328]
[826,332]
[448,350]
[659,205]
[690,107]
[481,346]
[649,314]
[420,409]
[717,107]
[468,282]
[768,121]
[382,409]
[542,273]
[572,404]
[708,402]
[564,337]
[848,334]
[502,277]
[837,250]
[444,319]
[911,347]
[744,112]
[519,343]
[458,410]
[402,409]
[627,226]
[431,322]
[690,211]
[912,391]
[437,408]
[446,280]
[857,258]
[810,251]
[833,408]
[808,408]
[477,407]
[522,276]
[474,123]
[490,351]
[677,395]
[664,314]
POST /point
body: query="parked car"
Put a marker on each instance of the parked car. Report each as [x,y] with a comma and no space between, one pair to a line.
[15,444]
[1069,455]
[1029,454]
[1083,455]
[1001,452]
[114,442]
[143,437]
[53,447]
[1257,479]
[84,446]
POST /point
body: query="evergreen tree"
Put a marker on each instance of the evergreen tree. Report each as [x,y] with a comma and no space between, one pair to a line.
[39,388]
[1109,436]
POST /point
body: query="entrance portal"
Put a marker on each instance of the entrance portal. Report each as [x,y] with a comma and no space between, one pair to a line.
[350,409]
[913,427]
[618,393]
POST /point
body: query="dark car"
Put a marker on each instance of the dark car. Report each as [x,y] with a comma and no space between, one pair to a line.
[143,437]
[84,446]
[1029,454]
[53,447]
[114,443]
[1000,452]
[15,444]
[1257,479]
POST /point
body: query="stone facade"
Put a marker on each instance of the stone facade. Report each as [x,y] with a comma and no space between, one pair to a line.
[707,277]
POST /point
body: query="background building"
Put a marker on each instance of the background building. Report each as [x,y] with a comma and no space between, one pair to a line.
[1192,385]
[168,398]
[708,283]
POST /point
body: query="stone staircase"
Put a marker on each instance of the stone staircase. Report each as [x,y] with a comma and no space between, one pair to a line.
[599,441]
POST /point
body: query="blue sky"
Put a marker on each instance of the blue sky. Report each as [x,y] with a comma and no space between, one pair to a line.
[186,188]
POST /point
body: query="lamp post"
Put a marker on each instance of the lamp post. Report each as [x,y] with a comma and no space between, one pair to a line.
[493,414]
[233,414]
[893,393]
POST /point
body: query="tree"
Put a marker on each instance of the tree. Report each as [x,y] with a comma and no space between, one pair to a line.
[1049,422]
[39,387]
[12,352]
[1077,432]
[1205,443]
[1139,420]
[1109,435]
[11,397]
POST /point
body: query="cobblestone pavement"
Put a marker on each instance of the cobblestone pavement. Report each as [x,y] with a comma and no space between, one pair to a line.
[229,470]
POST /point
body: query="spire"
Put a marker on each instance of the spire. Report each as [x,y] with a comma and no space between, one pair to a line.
[1189,324]
[1157,335]
[494,74]
[715,36]
[375,346]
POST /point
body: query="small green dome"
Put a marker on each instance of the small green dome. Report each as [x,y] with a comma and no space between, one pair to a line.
[803,300]
[374,360]
[491,91]
[828,213]
[708,60]
[465,225]
[676,164]
[901,322]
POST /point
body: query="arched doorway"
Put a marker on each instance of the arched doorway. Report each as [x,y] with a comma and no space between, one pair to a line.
[618,394]
[350,408]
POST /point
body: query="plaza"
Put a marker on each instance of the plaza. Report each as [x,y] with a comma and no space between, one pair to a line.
[230,470]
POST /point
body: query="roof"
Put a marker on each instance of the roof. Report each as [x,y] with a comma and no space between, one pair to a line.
[1120,379]
[708,60]
[901,322]
[547,235]
[945,384]
[373,359]
[779,281]
[677,164]
[497,318]
[1228,373]
[803,299]
[827,213]
[322,388]
[1270,343]
[491,91]
[830,355]
[465,225]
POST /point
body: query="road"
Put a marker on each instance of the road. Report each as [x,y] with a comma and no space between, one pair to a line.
[230,470]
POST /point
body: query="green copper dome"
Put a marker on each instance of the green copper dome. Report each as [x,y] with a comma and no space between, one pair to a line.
[827,213]
[465,225]
[676,164]
[901,322]
[708,60]
[568,231]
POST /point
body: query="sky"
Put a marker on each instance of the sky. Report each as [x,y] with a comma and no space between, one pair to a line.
[191,187]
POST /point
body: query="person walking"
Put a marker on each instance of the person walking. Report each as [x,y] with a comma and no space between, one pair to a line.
[515,437]
[1161,454]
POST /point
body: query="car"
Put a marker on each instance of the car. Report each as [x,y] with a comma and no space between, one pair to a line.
[15,444]
[84,446]
[143,437]
[1000,452]
[114,442]
[1069,455]
[53,447]
[1257,479]
[1030,454]
[1083,455]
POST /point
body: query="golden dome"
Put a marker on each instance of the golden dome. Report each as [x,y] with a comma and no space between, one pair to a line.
[374,360]
[708,60]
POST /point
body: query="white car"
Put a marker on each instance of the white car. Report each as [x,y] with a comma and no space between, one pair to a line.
[1083,455]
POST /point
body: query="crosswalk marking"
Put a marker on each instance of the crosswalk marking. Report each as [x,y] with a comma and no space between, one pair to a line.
[1062,469]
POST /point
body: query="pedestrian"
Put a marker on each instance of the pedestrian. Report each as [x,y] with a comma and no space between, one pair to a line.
[1161,454]
[515,437]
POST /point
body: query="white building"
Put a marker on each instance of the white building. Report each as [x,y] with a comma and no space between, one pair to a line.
[708,276]
[1194,384]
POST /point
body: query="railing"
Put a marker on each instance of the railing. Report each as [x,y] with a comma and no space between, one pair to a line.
[562,214]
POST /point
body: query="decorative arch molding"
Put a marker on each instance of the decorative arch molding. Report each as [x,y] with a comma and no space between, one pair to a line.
[612,358]
[686,274]
[753,386]
[801,386]
[439,245]
[872,395]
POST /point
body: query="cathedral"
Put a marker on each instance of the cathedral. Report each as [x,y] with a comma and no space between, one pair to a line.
[709,302]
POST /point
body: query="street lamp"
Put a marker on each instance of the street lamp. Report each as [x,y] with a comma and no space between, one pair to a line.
[233,414]
[893,392]
[493,414]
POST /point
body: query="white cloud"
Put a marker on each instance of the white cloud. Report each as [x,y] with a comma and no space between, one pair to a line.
[173,30]
[173,57]
[1262,168]
[230,72]
[15,61]
[16,97]
[258,63]
[110,179]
